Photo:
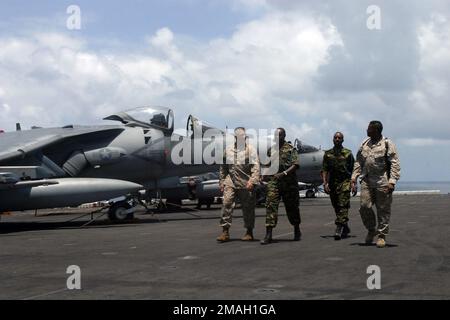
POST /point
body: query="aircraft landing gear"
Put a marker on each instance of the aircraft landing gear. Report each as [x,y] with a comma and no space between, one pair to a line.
[310,194]
[121,211]
[205,201]
[173,204]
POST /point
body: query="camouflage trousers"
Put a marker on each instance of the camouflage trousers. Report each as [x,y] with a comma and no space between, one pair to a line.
[287,190]
[340,199]
[248,202]
[375,196]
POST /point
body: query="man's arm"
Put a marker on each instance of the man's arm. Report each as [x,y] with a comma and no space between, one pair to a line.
[394,167]
[255,170]
[325,174]
[325,178]
[395,163]
[350,162]
[356,173]
[294,165]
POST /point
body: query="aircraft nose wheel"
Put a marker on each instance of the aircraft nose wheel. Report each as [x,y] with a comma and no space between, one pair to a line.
[121,211]
[310,194]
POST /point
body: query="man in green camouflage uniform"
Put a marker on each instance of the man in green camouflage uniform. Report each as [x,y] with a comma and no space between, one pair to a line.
[283,185]
[238,176]
[336,174]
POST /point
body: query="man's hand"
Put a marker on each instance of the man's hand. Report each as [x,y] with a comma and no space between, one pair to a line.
[390,188]
[278,176]
[326,188]
[354,188]
[249,186]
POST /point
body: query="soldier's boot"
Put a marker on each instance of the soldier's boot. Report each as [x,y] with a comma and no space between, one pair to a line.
[370,235]
[345,231]
[338,232]
[225,236]
[381,242]
[268,238]
[248,235]
[297,233]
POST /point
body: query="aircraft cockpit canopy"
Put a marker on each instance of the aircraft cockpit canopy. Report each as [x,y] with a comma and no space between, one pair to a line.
[147,117]
[197,127]
[304,148]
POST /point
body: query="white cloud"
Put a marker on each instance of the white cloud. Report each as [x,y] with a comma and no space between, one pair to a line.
[249,5]
[311,73]
[429,101]
[257,74]
[424,142]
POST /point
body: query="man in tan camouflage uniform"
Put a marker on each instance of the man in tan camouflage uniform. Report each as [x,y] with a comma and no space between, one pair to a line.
[336,173]
[238,176]
[378,166]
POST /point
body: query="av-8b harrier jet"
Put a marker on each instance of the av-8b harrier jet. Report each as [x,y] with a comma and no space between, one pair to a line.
[72,165]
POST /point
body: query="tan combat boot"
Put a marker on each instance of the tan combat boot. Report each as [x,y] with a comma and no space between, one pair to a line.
[248,235]
[225,236]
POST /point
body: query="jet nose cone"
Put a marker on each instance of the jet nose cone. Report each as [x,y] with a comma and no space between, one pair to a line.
[125,185]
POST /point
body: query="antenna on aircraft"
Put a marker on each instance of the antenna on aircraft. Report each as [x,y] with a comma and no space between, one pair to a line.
[18,128]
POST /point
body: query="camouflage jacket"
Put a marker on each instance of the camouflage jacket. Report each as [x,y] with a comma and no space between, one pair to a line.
[239,167]
[286,156]
[377,163]
[339,163]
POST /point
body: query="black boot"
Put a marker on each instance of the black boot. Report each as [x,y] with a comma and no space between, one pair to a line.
[268,238]
[345,231]
[338,232]
[297,233]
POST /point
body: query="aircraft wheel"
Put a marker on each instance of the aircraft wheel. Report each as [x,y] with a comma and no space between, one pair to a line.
[310,194]
[208,202]
[120,211]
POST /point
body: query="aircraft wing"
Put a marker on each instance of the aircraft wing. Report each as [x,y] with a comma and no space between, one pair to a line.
[22,143]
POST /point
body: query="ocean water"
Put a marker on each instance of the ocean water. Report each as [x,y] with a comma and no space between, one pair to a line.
[443,186]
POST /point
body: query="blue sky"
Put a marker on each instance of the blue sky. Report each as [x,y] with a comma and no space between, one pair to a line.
[312,67]
[132,20]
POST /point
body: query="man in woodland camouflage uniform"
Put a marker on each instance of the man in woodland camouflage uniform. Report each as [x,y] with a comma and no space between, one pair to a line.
[283,185]
[336,174]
